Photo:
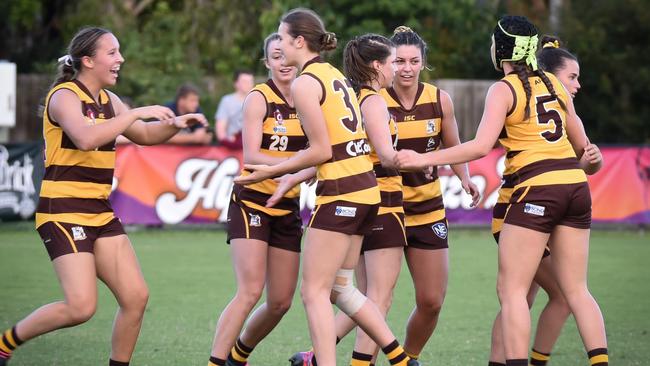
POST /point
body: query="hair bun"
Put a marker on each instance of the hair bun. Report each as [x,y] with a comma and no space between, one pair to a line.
[551,42]
[328,41]
[402,29]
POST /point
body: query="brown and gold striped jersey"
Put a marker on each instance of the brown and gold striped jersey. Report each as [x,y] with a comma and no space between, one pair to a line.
[389,180]
[282,136]
[419,130]
[348,175]
[77,183]
[538,151]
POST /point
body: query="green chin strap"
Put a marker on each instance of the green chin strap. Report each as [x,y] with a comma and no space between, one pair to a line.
[525,48]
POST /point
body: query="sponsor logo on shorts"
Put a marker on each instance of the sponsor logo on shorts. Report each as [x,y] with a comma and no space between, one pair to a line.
[440,229]
[345,211]
[78,233]
[255,220]
[378,228]
[536,210]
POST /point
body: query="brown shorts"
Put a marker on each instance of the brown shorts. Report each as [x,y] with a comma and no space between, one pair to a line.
[387,232]
[62,238]
[284,232]
[429,236]
[542,208]
[344,217]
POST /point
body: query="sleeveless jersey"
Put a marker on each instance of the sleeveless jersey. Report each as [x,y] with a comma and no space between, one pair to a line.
[77,183]
[419,130]
[282,136]
[348,175]
[389,180]
[538,151]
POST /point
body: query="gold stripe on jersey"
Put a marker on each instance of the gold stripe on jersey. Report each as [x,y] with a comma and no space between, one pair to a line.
[77,183]
[282,137]
[538,151]
[419,129]
[389,180]
[348,175]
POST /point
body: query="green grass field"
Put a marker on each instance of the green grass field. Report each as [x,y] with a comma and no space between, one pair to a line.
[190,281]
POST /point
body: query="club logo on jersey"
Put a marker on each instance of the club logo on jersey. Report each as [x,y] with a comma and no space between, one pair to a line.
[431,144]
[78,233]
[255,220]
[358,147]
[91,117]
[536,210]
[440,229]
[345,211]
[431,127]
[279,122]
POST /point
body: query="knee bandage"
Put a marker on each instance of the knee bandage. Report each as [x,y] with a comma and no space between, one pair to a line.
[348,298]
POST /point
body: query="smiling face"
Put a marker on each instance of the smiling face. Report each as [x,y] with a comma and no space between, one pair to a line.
[106,62]
[274,61]
[568,76]
[409,63]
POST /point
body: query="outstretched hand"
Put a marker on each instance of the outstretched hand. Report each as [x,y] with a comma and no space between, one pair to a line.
[285,184]
[409,160]
[259,172]
[190,119]
[470,188]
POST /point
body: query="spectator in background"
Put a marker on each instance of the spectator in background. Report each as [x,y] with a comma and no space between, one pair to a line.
[229,113]
[187,101]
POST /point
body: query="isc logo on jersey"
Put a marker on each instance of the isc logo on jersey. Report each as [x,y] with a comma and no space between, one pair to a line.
[345,211]
[358,147]
[440,229]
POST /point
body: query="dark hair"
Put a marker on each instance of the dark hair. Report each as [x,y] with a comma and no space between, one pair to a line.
[238,72]
[405,36]
[267,41]
[552,57]
[185,90]
[503,47]
[359,53]
[306,23]
[84,43]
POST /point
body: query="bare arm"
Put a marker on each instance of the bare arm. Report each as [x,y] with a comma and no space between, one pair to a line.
[65,109]
[306,93]
[450,133]
[254,114]
[590,157]
[376,117]
[498,101]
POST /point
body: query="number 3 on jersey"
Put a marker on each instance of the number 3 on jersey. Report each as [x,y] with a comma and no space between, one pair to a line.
[544,117]
[279,143]
[351,121]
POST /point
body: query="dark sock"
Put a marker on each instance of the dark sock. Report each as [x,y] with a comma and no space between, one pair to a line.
[539,358]
[216,361]
[360,359]
[492,363]
[517,362]
[598,357]
[112,362]
[239,353]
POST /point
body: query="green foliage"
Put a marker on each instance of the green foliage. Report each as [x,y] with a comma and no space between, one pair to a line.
[169,42]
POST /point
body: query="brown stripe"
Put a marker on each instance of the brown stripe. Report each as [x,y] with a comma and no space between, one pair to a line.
[439,103]
[420,112]
[514,97]
[352,183]
[73,205]
[499,210]
[537,168]
[420,144]
[77,173]
[512,153]
[66,143]
[417,208]
[596,352]
[416,179]
[357,147]
[393,94]
[294,143]
[382,172]
[391,199]
[247,194]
